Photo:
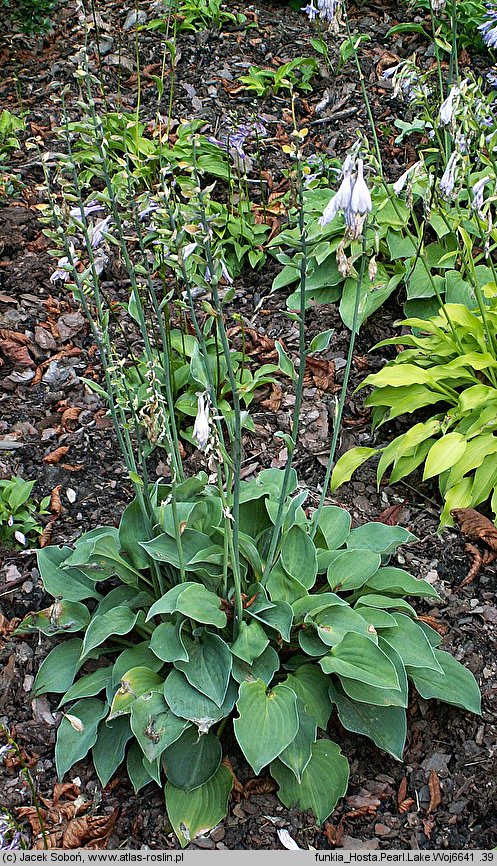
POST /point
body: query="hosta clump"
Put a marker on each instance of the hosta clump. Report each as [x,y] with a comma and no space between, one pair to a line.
[451,367]
[153,666]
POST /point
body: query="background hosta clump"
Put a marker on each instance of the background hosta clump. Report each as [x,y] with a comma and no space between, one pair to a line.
[158,656]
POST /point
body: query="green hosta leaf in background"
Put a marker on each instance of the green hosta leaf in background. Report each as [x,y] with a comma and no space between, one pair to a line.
[267,722]
[72,584]
[189,703]
[164,547]
[72,745]
[88,686]
[347,464]
[379,537]
[298,556]
[455,685]
[192,759]
[324,781]
[297,755]
[358,658]
[311,686]
[154,725]
[386,726]
[108,751]
[194,813]
[119,621]
[352,569]
[58,669]
[134,683]
[208,668]
[334,525]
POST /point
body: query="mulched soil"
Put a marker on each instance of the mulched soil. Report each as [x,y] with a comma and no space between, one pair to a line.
[443,795]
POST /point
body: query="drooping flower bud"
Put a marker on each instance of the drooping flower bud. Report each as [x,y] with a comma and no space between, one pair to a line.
[201,428]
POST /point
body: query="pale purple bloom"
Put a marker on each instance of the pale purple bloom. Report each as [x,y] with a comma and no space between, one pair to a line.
[360,200]
[488,29]
[97,232]
[311,11]
[339,202]
[235,137]
[326,9]
[447,107]
[400,183]
[438,6]
[202,423]
[63,271]
[353,198]
[10,838]
[10,522]
[448,179]
[88,209]
[477,192]
[188,250]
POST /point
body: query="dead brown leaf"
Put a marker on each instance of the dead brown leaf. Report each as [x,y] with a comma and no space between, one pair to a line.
[69,416]
[401,793]
[333,834]
[386,61]
[435,793]
[90,831]
[64,824]
[46,536]
[321,373]
[14,347]
[390,516]
[440,627]
[475,526]
[406,805]
[55,503]
[273,402]
[57,455]
[259,786]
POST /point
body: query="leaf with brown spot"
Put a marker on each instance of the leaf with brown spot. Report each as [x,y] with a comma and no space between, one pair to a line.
[57,455]
[435,793]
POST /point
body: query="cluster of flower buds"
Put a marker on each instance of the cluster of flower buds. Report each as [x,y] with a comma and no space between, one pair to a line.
[488,29]
[353,198]
[325,9]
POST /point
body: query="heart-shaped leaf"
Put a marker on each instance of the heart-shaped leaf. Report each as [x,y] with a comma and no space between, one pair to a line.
[194,813]
[324,781]
[267,722]
[208,667]
[192,760]
[58,669]
[154,725]
[76,735]
[386,726]
[359,658]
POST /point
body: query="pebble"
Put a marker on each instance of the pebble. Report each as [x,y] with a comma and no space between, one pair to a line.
[218,833]
[204,842]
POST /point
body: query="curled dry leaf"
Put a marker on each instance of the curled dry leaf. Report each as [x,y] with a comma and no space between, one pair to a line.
[69,416]
[406,805]
[57,455]
[386,61]
[259,786]
[390,516]
[14,347]
[320,373]
[46,536]
[401,794]
[55,503]
[90,831]
[435,793]
[475,526]
[64,824]
[435,624]
[333,834]
[273,402]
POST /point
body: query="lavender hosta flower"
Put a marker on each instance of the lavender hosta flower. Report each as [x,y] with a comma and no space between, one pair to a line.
[63,271]
[400,183]
[448,179]
[477,193]
[97,232]
[360,204]
[201,428]
[488,29]
[10,838]
[325,9]
[88,209]
[339,202]
[438,6]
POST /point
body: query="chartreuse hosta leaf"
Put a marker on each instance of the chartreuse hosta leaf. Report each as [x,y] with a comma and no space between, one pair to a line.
[358,658]
[154,725]
[386,726]
[324,781]
[267,722]
[194,813]
[134,683]
[58,669]
[78,733]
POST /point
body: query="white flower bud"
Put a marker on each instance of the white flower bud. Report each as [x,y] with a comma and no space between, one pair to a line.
[201,428]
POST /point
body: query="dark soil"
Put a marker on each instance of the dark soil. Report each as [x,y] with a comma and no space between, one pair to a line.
[389,804]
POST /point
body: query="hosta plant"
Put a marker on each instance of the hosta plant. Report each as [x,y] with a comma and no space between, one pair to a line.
[451,369]
[164,645]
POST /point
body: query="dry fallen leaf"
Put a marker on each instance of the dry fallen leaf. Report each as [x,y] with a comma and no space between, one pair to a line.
[435,794]
[13,346]
[476,527]
[55,503]
[69,416]
[46,536]
[401,794]
[64,825]
[390,516]
[273,402]
[57,455]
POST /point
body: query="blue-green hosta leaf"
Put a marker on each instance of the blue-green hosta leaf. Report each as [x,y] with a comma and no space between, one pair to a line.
[278,615]
[74,740]
[368,694]
[358,658]
[208,668]
[411,643]
[62,617]
[282,587]
[333,623]
[250,642]
[154,725]
[164,548]
[132,530]
[297,755]
[352,569]
[263,668]
[194,813]
[377,617]
[379,537]
[311,643]
[396,581]
[192,759]
[334,525]
[139,655]
[167,642]
[455,685]
[58,669]
[324,781]
[88,686]
[72,584]
[267,722]
[298,556]
[193,600]
[119,621]
[138,768]
[311,686]
[310,604]
[167,602]
[108,751]
[99,557]
[385,602]
[134,683]
[386,726]
[189,703]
